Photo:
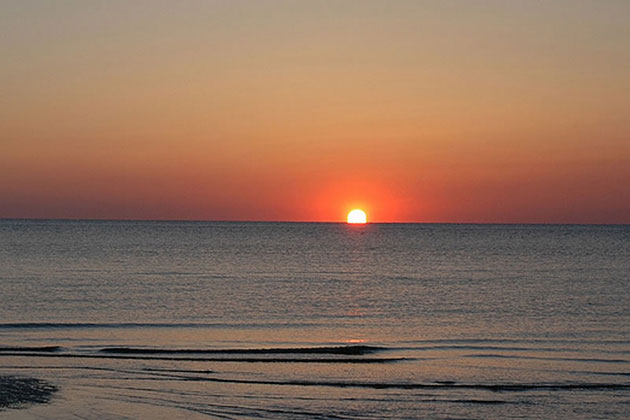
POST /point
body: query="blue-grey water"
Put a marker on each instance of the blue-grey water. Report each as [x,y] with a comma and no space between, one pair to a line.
[304,320]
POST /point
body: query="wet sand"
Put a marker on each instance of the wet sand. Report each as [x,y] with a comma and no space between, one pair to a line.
[16,391]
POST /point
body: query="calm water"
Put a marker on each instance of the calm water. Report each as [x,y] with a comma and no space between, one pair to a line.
[292,320]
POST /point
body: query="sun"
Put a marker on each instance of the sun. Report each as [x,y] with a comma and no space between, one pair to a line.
[357,216]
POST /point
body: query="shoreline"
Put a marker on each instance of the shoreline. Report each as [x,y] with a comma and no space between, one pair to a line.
[20,391]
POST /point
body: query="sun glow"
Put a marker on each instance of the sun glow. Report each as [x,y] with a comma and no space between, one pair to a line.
[357,216]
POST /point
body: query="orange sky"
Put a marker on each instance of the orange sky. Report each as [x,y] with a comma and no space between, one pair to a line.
[445,111]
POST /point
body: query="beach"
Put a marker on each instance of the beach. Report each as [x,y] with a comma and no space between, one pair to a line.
[19,392]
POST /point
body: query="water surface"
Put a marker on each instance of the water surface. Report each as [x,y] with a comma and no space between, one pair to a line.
[304,320]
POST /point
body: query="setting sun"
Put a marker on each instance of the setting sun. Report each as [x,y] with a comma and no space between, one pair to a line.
[357,216]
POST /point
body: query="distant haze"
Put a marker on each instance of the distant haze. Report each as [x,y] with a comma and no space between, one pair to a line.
[427,111]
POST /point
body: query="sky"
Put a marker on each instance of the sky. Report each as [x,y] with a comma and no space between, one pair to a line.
[416,111]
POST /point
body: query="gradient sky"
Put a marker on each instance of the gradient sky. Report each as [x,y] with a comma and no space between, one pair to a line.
[427,111]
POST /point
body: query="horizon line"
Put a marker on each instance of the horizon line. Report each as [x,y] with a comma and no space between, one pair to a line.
[73,219]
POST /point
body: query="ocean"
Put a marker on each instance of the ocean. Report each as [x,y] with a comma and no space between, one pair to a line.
[228,320]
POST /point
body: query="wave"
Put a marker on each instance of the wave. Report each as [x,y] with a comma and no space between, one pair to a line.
[356,350]
[610,373]
[508,348]
[438,385]
[515,341]
[85,325]
[196,375]
[362,360]
[562,359]
[44,349]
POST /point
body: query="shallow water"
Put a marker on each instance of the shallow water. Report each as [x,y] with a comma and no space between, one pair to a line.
[299,320]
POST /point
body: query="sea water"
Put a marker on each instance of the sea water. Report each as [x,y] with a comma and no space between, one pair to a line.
[315,320]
